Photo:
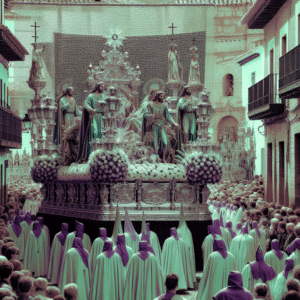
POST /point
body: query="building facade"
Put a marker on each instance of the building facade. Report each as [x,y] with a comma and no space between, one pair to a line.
[275,99]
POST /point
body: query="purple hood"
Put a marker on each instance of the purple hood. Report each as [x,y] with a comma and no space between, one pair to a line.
[77,244]
[220,247]
[121,249]
[63,234]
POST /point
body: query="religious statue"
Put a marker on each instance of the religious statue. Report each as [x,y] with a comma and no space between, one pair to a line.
[174,63]
[155,121]
[71,142]
[67,110]
[186,117]
[36,71]
[91,122]
[229,82]
[194,75]
[135,119]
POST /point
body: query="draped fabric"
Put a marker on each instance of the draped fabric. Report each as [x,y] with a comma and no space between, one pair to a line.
[77,244]
[220,247]
[121,249]
[61,236]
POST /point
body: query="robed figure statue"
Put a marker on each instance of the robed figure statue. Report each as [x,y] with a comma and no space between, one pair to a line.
[91,122]
[186,117]
[37,71]
[155,125]
[174,63]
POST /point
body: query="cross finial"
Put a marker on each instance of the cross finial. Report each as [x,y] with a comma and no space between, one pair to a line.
[194,40]
[173,27]
[35,26]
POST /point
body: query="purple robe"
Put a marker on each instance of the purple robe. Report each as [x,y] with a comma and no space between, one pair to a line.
[220,247]
[77,244]
[108,249]
[276,251]
[260,269]
[17,228]
[235,290]
[121,249]
[143,252]
[174,233]
[37,229]
[63,234]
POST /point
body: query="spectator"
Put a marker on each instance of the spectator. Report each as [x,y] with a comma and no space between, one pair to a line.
[292,295]
[6,269]
[14,281]
[71,291]
[293,285]
[25,284]
[18,266]
[12,253]
[171,285]
[40,289]
[52,291]
[260,291]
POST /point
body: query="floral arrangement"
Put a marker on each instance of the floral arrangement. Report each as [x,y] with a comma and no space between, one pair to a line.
[44,169]
[108,166]
[156,172]
[74,172]
[202,168]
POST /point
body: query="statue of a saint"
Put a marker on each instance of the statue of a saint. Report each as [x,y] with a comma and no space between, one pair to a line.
[194,75]
[135,119]
[91,122]
[174,63]
[36,71]
[156,120]
[67,110]
[186,117]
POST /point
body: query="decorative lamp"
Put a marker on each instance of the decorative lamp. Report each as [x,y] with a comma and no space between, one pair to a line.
[27,122]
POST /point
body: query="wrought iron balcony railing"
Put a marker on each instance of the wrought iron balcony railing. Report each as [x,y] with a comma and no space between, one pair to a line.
[262,99]
[10,129]
[289,74]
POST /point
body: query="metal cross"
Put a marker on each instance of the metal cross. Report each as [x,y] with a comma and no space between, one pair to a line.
[35,26]
[173,27]
[194,40]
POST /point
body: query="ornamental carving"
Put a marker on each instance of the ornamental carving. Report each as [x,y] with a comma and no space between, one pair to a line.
[104,193]
[60,193]
[123,193]
[185,193]
[72,193]
[91,194]
[155,193]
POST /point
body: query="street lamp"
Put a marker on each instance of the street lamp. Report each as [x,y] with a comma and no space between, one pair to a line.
[27,123]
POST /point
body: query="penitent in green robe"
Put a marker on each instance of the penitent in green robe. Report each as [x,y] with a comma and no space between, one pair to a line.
[108,278]
[277,264]
[187,118]
[154,242]
[75,271]
[55,262]
[144,279]
[37,252]
[19,241]
[215,275]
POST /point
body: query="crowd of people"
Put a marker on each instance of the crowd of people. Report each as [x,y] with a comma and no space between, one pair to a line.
[252,251]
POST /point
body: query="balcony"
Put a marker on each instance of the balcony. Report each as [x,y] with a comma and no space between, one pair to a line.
[289,74]
[10,129]
[262,99]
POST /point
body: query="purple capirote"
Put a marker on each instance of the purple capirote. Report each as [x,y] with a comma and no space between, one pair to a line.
[229,228]
[41,220]
[219,246]
[103,233]
[37,229]
[128,227]
[108,249]
[260,269]
[254,226]
[174,233]
[234,290]
[289,265]
[239,226]
[79,230]
[216,224]
[77,244]
[143,252]
[121,249]
[275,249]
[295,245]
[63,233]
[17,228]
[212,230]
[245,229]
[146,236]
[28,219]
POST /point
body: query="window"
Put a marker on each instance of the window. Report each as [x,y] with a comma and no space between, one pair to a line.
[283,45]
[271,61]
[253,78]
[228,85]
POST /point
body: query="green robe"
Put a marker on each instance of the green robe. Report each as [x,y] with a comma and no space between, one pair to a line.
[19,241]
[75,271]
[108,278]
[259,240]
[96,250]
[296,257]
[134,245]
[215,275]
[186,118]
[55,262]
[130,253]
[26,229]
[144,279]
[280,285]
[37,252]
[276,263]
